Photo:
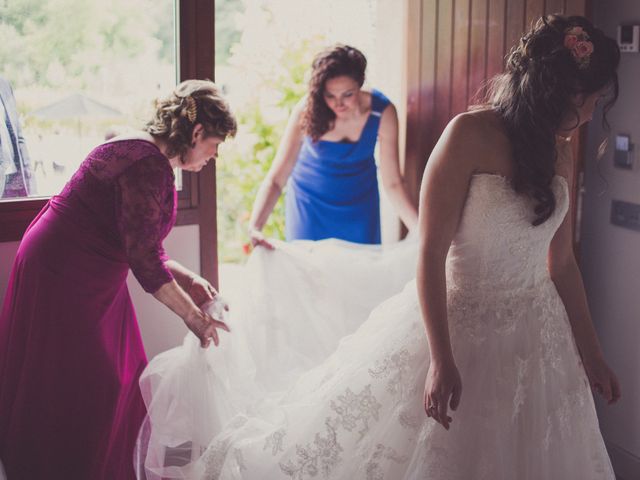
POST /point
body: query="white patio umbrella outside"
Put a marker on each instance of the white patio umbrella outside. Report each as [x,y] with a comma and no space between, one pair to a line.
[75,106]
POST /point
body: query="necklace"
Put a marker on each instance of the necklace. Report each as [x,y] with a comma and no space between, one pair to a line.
[560,137]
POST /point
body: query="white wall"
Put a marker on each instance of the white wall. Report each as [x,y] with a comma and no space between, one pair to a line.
[388,71]
[611,255]
[161,329]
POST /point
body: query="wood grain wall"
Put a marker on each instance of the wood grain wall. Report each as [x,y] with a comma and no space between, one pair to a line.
[453,47]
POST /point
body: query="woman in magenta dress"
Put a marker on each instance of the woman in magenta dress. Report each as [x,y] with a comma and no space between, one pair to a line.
[70,347]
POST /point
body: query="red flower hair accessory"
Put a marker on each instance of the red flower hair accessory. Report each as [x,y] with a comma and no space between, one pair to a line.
[577,41]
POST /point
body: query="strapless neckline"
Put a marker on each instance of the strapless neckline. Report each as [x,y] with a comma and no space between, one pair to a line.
[507,179]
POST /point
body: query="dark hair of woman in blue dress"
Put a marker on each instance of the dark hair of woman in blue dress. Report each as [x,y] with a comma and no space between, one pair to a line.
[338,61]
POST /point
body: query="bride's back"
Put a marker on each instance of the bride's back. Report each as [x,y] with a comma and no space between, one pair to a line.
[493,152]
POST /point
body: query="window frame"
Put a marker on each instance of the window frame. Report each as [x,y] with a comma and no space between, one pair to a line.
[197,201]
[196,19]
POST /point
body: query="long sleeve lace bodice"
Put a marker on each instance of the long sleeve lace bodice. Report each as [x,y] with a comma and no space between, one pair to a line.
[127,189]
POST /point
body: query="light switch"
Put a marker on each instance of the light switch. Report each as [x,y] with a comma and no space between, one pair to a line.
[629,38]
[622,156]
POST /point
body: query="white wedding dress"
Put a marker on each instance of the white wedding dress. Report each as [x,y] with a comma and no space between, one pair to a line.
[289,309]
[526,413]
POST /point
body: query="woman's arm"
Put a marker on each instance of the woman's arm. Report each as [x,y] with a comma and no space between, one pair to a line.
[442,196]
[197,287]
[142,200]
[182,274]
[201,324]
[392,180]
[276,179]
[567,278]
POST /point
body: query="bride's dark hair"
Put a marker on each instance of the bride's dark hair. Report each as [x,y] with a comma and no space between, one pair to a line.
[537,91]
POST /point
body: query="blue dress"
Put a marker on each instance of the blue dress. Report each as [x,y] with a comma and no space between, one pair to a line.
[333,189]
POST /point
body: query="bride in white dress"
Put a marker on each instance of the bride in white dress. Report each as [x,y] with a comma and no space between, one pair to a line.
[511,355]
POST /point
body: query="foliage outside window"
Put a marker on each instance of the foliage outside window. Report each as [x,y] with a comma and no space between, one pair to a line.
[245,162]
[118,56]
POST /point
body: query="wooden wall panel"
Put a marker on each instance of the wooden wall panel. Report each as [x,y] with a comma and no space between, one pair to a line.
[534,10]
[554,6]
[496,37]
[444,81]
[514,22]
[478,51]
[421,21]
[414,99]
[577,7]
[461,20]
[459,45]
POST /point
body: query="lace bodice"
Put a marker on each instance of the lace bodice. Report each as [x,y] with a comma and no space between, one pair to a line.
[124,192]
[496,248]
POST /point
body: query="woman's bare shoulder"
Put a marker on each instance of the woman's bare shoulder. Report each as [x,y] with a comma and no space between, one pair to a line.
[476,128]
[479,136]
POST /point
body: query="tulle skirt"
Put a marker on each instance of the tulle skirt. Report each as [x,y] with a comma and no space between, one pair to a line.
[350,407]
[289,312]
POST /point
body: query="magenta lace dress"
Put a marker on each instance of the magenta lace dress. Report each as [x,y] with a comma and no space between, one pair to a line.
[70,347]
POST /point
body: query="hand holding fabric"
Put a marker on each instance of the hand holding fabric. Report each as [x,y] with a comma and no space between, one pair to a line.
[258,239]
[205,327]
[200,290]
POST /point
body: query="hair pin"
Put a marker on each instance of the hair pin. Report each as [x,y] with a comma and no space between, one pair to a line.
[192,109]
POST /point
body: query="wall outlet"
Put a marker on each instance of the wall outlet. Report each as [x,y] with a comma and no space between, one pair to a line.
[625,214]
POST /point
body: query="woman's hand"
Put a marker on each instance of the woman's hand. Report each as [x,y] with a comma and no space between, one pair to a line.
[257,239]
[188,302]
[200,290]
[602,379]
[442,390]
[204,327]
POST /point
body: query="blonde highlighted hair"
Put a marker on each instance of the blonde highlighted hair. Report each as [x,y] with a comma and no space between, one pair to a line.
[191,102]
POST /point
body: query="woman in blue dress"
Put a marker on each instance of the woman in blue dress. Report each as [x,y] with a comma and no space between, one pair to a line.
[326,158]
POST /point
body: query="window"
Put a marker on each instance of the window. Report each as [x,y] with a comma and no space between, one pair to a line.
[86,71]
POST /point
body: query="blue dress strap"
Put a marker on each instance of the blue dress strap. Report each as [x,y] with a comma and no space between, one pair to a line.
[379,102]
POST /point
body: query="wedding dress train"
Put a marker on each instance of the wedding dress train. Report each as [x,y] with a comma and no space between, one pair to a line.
[289,310]
[527,412]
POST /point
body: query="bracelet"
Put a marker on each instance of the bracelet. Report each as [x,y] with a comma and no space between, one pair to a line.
[255,231]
